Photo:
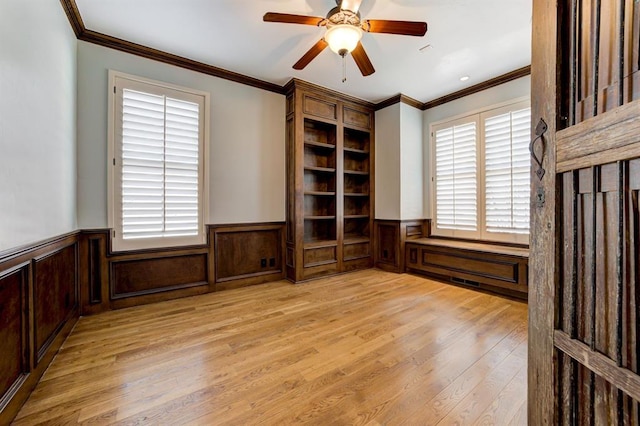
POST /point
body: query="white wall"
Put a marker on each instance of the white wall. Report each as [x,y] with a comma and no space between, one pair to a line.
[411,163]
[399,169]
[469,104]
[37,122]
[387,158]
[247,151]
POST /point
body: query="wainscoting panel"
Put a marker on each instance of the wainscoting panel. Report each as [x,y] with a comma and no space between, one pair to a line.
[247,254]
[390,238]
[55,293]
[14,350]
[38,308]
[130,278]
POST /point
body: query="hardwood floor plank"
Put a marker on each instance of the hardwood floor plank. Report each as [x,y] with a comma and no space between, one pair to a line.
[368,347]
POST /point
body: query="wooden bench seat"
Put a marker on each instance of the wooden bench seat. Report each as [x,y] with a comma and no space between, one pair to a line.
[497,268]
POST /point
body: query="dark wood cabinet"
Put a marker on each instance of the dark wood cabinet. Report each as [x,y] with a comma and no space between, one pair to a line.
[330,185]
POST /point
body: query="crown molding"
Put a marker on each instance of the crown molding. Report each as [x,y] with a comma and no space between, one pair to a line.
[504,78]
[399,98]
[82,33]
[296,83]
[73,14]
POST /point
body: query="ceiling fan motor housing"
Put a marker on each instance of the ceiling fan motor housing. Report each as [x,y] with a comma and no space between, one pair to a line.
[343,16]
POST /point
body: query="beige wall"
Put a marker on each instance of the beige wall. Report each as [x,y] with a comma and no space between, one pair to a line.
[399,168]
[387,157]
[247,151]
[37,122]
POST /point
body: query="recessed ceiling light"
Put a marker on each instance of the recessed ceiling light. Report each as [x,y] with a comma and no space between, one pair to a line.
[464,78]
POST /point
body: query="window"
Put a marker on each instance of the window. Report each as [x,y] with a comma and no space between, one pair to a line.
[481,175]
[157,171]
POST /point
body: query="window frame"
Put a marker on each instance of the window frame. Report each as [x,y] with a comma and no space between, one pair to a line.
[479,116]
[117,82]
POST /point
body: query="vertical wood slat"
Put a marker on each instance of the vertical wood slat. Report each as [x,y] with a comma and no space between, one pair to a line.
[573,374]
[596,56]
[619,277]
[621,55]
[574,63]
[619,263]
[592,254]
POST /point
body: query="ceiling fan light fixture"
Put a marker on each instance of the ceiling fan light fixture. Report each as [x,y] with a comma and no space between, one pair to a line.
[343,38]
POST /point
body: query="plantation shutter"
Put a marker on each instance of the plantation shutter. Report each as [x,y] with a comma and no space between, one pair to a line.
[160,161]
[507,172]
[456,177]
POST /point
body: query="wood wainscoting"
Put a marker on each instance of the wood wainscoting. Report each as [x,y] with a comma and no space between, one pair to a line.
[114,280]
[390,237]
[234,256]
[247,254]
[494,267]
[44,287]
[39,297]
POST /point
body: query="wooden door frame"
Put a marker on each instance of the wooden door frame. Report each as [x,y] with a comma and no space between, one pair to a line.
[542,246]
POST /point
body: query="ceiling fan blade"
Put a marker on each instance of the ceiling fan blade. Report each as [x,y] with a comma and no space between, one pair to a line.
[312,53]
[351,5]
[362,60]
[291,19]
[395,27]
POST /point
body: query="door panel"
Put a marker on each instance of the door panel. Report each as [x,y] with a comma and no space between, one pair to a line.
[584,296]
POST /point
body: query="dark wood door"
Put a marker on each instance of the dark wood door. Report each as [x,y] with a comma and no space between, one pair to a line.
[584,300]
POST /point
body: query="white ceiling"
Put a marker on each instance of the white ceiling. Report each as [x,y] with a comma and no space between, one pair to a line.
[479,38]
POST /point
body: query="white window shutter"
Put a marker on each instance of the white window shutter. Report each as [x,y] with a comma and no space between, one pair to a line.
[507,172]
[456,177]
[181,168]
[160,166]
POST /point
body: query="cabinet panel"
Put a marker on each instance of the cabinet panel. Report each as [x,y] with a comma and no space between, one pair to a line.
[356,117]
[319,256]
[319,107]
[357,251]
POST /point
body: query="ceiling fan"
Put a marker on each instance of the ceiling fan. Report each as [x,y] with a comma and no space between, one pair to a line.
[344,31]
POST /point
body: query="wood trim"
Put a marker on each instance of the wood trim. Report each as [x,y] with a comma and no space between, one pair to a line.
[296,83]
[82,33]
[605,138]
[397,99]
[39,248]
[504,78]
[73,14]
[627,381]
[100,39]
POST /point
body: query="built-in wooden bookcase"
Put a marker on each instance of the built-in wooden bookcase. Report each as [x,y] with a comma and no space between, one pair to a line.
[330,189]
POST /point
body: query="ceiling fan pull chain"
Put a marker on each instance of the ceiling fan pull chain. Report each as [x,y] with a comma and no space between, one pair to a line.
[344,68]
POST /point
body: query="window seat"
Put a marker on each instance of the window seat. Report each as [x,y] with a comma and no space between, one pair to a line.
[493,267]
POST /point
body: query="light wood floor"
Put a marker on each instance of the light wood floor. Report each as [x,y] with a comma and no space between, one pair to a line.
[367,348]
